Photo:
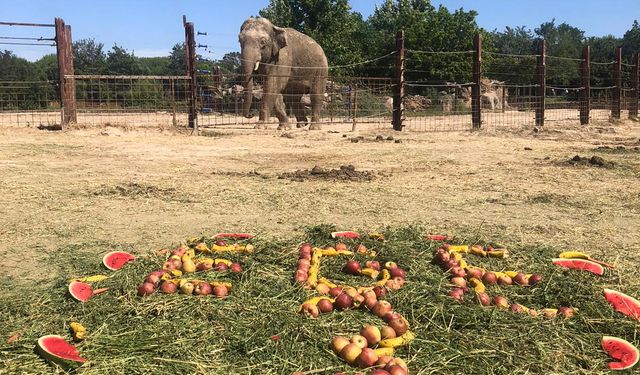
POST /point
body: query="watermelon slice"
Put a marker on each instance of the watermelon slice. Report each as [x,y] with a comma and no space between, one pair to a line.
[56,349]
[623,303]
[346,234]
[117,259]
[579,264]
[233,235]
[621,350]
[80,291]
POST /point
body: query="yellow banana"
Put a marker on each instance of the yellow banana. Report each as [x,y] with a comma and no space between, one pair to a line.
[477,285]
[456,256]
[312,280]
[78,331]
[216,283]
[90,279]
[376,236]
[324,280]
[334,252]
[384,277]
[370,272]
[314,301]
[458,249]
[227,262]
[193,240]
[511,274]
[403,340]
[477,250]
[581,255]
[499,274]
[550,313]
[176,273]
[501,253]
[384,351]
[463,264]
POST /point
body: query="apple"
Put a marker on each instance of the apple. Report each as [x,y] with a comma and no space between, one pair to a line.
[379,371]
[457,271]
[381,308]
[390,316]
[396,370]
[359,340]
[311,310]
[305,256]
[221,266]
[358,299]
[517,308]
[352,267]
[341,246]
[372,334]
[325,306]
[146,289]
[398,362]
[390,265]
[338,343]
[458,281]
[179,251]
[475,273]
[457,294]
[305,247]
[204,266]
[484,299]
[398,325]
[500,302]
[505,280]
[343,302]
[187,288]
[374,264]
[304,264]
[168,266]
[350,291]
[168,287]
[380,291]
[521,279]
[153,279]
[221,243]
[392,285]
[236,267]
[301,276]
[202,289]
[335,291]
[451,263]
[361,249]
[568,312]
[383,360]
[220,291]
[535,278]
[367,358]
[350,353]
[397,272]
[489,278]
[387,332]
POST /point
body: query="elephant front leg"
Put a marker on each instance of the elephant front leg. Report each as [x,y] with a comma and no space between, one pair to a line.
[272,96]
[281,113]
[317,95]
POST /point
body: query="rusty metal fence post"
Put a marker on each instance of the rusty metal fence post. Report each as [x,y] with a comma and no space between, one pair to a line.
[541,74]
[398,89]
[617,83]
[476,111]
[585,94]
[635,82]
[64,55]
[190,63]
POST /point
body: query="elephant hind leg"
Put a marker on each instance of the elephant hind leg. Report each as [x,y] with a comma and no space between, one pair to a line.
[317,96]
[281,113]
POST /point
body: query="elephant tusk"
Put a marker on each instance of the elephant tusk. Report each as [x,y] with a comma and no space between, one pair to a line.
[256,67]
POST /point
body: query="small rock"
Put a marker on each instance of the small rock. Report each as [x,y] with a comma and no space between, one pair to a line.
[344,136]
[355,140]
[398,141]
[379,138]
[528,149]
[390,138]
[317,170]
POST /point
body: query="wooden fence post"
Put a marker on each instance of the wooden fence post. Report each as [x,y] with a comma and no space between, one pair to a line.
[617,83]
[355,108]
[635,83]
[190,50]
[541,73]
[65,67]
[398,89]
[476,111]
[585,94]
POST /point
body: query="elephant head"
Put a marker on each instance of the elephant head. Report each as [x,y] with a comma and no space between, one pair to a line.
[260,42]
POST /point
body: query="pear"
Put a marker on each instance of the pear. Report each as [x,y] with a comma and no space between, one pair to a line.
[187,288]
[188,265]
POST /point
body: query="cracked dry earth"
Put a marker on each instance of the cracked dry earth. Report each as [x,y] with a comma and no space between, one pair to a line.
[139,190]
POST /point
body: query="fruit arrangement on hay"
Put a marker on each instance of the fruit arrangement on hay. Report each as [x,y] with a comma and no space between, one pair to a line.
[260,325]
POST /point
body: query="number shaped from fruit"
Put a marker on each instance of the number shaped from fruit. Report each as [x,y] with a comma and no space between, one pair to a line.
[191,259]
[465,277]
[373,346]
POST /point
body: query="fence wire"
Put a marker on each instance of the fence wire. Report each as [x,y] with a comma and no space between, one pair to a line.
[29,103]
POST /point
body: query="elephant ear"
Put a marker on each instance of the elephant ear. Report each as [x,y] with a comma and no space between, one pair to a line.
[280,37]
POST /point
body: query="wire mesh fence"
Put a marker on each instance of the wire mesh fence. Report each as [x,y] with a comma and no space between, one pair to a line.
[131,100]
[29,103]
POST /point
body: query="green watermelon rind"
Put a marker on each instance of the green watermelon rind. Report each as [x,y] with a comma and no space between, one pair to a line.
[627,348]
[625,305]
[345,234]
[72,287]
[105,259]
[589,266]
[67,362]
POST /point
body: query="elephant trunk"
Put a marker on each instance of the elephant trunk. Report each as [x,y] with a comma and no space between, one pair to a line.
[249,66]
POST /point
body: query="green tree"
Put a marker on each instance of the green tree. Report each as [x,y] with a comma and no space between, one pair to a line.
[48,65]
[508,64]
[178,60]
[88,57]
[120,61]
[631,41]
[565,41]
[230,62]
[156,66]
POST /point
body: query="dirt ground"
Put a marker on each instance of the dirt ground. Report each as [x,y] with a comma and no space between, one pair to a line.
[116,188]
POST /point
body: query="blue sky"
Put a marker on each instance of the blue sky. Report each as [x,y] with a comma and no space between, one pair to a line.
[152,27]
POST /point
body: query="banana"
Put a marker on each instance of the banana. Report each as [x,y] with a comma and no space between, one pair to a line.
[477,285]
[376,236]
[511,274]
[324,280]
[499,274]
[216,283]
[370,272]
[334,252]
[581,255]
[458,248]
[78,331]
[384,277]
[463,264]
[501,253]
[550,313]
[403,340]
[456,256]
[225,261]
[477,250]
[192,240]
[384,351]
[90,279]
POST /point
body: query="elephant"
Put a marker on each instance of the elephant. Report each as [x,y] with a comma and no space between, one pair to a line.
[292,65]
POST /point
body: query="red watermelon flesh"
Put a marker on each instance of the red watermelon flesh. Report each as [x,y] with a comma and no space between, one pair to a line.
[80,291]
[346,234]
[623,303]
[233,235]
[579,264]
[622,350]
[56,349]
[117,259]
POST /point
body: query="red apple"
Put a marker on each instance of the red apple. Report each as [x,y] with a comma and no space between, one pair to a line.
[221,243]
[352,267]
[220,291]
[322,288]
[399,326]
[236,267]
[146,289]
[568,312]
[458,281]
[168,287]
[475,273]
[325,306]
[390,265]
[350,353]
[484,299]
[457,271]
[153,279]
[396,370]
[500,302]
[361,249]
[367,358]
[521,279]
[335,291]
[341,246]
[457,294]
[535,278]
[221,266]
[397,272]
[359,340]
[343,302]
[387,332]
[304,264]
[489,278]
[380,291]
[372,334]
[374,264]
[311,310]
[301,276]
[505,280]
[204,266]
[379,371]
[202,289]
[338,343]
[381,308]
